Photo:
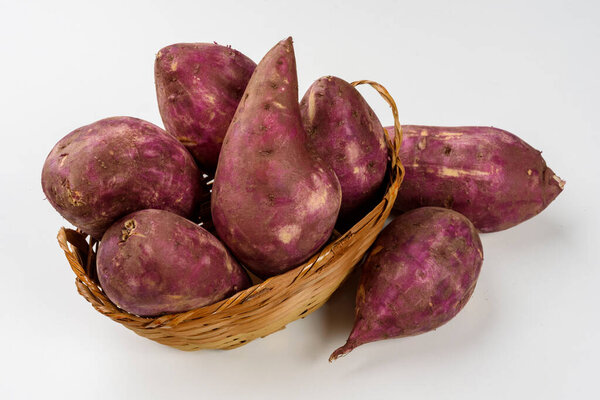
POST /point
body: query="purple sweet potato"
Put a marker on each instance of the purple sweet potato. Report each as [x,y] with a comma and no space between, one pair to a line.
[103,171]
[420,272]
[154,262]
[491,176]
[199,86]
[274,203]
[345,132]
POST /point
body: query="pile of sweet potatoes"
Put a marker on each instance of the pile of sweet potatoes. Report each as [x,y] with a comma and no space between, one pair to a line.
[286,174]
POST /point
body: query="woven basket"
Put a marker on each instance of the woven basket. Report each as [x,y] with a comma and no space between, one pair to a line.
[263,308]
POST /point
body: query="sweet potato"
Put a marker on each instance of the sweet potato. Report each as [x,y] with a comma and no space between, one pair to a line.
[491,176]
[153,262]
[420,272]
[199,86]
[102,171]
[273,202]
[345,132]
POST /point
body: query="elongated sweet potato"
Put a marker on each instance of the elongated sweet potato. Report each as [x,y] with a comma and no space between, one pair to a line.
[153,262]
[199,86]
[491,176]
[102,171]
[273,202]
[345,132]
[420,272]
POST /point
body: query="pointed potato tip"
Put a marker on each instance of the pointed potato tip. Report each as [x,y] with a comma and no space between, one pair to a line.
[342,351]
[561,183]
[288,44]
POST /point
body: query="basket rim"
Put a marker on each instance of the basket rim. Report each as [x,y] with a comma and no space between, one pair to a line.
[73,243]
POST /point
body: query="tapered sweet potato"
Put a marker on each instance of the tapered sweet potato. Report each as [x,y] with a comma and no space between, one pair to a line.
[153,262]
[491,176]
[273,202]
[345,132]
[102,171]
[420,272]
[199,86]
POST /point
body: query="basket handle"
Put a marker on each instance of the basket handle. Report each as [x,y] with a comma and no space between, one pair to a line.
[397,142]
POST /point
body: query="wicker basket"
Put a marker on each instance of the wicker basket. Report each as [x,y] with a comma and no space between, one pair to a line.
[263,308]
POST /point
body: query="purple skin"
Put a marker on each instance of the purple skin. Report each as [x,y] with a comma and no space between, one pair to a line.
[154,262]
[345,132]
[102,171]
[421,271]
[274,203]
[199,86]
[489,175]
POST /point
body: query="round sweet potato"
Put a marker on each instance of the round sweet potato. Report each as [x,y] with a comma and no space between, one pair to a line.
[199,86]
[153,262]
[345,132]
[420,272]
[102,171]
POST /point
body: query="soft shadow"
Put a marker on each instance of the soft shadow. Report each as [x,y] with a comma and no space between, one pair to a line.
[333,321]
[503,253]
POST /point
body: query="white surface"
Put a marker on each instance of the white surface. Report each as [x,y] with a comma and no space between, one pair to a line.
[531,328]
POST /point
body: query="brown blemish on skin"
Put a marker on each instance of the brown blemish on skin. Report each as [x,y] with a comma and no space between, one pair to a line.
[450,134]
[210,98]
[186,141]
[102,164]
[455,172]
[561,183]
[449,201]
[353,151]
[288,233]
[228,264]
[63,158]
[311,107]
[447,150]
[127,229]
[73,196]
[316,200]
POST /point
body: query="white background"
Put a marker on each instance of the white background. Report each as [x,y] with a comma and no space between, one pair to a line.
[531,327]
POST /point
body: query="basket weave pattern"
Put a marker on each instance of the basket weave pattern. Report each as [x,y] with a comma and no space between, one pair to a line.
[263,308]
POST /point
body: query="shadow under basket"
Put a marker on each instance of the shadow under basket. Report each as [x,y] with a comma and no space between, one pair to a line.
[263,308]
